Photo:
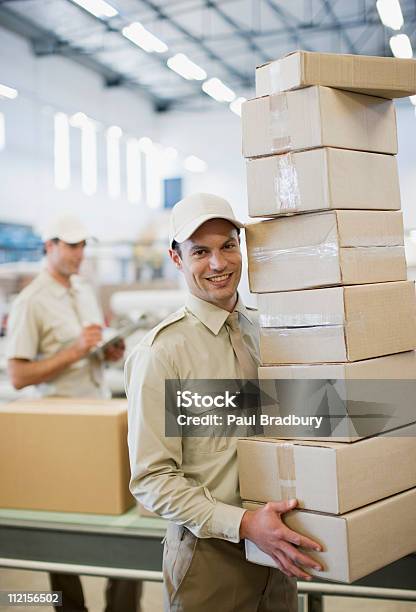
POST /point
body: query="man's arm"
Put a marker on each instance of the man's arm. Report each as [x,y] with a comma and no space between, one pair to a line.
[24,372]
[157,479]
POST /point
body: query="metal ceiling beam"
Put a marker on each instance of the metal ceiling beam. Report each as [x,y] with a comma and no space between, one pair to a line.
[306,27]
[288,21]
[44,42]
[248,39]
[344,34]
[242,77]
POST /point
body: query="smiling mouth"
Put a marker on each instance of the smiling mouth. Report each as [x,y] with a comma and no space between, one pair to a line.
[219,279]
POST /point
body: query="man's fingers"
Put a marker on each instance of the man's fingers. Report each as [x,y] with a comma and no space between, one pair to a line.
[299,540]
[282,506]
[279,565]
[289,568]
[299,557]
[282,562]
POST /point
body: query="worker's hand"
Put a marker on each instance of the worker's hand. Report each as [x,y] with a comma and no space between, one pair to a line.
[265,528]
[90,336]
[114,352]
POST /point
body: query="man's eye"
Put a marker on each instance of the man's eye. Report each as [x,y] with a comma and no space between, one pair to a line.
[199,252]
[231,245]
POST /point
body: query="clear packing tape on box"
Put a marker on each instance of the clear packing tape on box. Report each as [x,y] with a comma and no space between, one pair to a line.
[286,184]
[323,250]
[279,124]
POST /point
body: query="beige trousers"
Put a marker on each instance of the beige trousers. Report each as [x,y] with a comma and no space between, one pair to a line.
[212,575]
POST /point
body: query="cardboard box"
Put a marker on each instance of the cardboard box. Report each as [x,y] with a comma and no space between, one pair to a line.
[321,179]
[337,324]
[328,476]
[65,455]
[318,117]
[386,77]
[348,247]
[356,543]
[353,400]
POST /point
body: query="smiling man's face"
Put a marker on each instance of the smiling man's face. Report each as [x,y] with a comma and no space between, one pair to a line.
[211,263]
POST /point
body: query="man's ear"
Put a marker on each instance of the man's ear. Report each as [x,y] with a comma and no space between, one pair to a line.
[48,245]
[176,258]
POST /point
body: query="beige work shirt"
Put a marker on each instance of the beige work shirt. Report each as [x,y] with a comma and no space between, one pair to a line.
[47,317]
[191,481]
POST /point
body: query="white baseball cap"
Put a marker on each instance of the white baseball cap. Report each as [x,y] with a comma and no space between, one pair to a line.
[66,227]
[191,212]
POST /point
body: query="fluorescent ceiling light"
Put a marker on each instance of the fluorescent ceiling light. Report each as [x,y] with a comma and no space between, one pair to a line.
[62,163]
[98,8]
[134,174]
[217,90]
[390,13]
[113,135]
[89,158]
[235,106]
[413,100]
[401,46]
[195,164]
[145,144]
[78,120]
[143,38]
[114,132]
[8,92]
[181,64]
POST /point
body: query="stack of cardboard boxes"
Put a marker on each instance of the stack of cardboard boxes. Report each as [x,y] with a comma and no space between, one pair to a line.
[335,308]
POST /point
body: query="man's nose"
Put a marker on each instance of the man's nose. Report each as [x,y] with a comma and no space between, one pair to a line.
[217,261]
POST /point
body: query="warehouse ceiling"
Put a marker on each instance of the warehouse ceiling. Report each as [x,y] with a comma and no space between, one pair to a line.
[227,38]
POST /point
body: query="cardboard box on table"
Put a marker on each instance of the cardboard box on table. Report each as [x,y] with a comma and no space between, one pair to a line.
[356,543]
[386,77]
[318,117]
[337,324]
[348,247]
[329,477]
[65,455]
[320,179]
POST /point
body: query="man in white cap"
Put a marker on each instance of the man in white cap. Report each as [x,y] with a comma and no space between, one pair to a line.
[193,481]
[53,325]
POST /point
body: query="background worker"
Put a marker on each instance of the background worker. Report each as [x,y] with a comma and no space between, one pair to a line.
[193,481]
[53,325]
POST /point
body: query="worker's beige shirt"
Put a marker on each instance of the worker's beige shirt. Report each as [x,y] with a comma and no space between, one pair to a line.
[47,317]
[190,481]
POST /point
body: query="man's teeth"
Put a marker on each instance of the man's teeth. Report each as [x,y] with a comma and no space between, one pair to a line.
[219,279]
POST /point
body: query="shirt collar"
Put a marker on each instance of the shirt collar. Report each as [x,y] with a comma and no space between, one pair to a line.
[212,316]
[56,288]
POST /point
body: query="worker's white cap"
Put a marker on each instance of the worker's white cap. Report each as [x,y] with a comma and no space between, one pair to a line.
[191,212]
[66,227]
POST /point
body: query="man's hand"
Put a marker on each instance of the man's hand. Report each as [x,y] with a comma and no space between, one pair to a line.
[265,528]
[114,352]
[90,336]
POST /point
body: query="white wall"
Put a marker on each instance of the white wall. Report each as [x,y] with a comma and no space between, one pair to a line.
[214,136]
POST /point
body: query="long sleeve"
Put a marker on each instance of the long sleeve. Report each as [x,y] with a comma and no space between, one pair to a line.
[157,478]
